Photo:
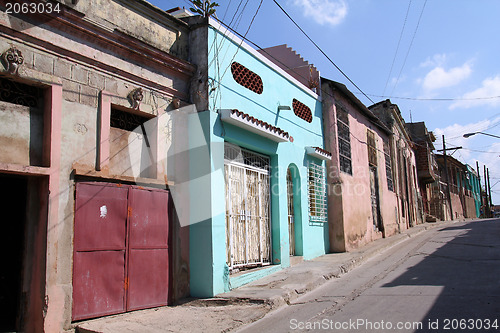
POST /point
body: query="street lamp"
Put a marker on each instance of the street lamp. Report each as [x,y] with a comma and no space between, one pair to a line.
[474,133]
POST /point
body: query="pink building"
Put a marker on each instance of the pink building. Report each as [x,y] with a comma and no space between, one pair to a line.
[362,198]
[404,166]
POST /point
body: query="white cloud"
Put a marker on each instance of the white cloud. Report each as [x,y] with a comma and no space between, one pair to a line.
[439,78]
[481,148]
[482,95]
[436,60]
[324,11]
[454,136]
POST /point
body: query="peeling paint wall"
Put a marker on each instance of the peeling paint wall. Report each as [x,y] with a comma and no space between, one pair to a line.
[99,47]
[350,206]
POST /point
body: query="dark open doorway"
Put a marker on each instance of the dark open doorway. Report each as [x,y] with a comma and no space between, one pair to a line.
[13,198]
[23,203]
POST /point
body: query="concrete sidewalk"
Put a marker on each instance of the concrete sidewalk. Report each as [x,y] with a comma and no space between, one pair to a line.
[250,302]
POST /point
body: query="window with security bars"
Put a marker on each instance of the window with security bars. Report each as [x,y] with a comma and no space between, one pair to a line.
[237,154]
[388,166]
[21,94]
[317,194]
[344,140]
[372,148]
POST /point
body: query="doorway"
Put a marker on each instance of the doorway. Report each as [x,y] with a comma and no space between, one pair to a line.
[121,249]
[247,208]
[13,199]
[375,200]
[291,215]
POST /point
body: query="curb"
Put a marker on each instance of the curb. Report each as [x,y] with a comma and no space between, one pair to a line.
[358,258]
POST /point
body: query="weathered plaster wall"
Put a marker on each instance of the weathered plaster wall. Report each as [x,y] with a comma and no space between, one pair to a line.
[90,56]
[222,92]
[350,196]
[21,140]
[456,203]
[404,164]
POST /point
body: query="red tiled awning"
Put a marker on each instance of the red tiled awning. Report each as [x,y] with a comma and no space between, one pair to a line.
[252,124]
[318,153]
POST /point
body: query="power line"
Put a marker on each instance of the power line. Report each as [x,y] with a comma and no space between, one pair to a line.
[397,48]
[244,36]
[409,47]
[436,99]
[327,57]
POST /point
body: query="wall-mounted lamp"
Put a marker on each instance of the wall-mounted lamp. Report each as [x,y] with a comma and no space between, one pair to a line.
[283,107]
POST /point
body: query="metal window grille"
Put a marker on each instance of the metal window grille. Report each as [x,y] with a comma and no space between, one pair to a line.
[344,140]
[125,120]
[20,93]
[236,154]
[388,166]
[317,193]
[248,242]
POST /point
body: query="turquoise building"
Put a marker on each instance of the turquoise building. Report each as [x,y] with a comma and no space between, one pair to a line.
[256,158]
[473,184]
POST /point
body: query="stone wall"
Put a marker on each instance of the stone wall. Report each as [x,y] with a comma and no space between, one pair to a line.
[94,53]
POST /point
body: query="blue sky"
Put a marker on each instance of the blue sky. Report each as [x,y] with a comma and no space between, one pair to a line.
[453,54]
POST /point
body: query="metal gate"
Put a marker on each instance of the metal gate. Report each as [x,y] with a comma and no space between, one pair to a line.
[121,259]
[247,208]
[291,222]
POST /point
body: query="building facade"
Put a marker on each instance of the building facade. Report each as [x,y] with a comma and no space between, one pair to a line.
[460,187]
[261,136]
[473,185]
[427,168]
[82,93]
[361,193]
[410,211]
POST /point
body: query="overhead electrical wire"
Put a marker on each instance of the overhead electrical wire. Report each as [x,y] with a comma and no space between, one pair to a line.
[409,47]
[321,50]
[436,99]
[397,48]
[244,36]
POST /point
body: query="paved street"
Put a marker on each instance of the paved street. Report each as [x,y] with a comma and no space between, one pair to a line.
[443,279]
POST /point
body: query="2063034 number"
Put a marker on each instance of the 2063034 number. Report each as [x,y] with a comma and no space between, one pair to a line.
[32,8]
[470,324]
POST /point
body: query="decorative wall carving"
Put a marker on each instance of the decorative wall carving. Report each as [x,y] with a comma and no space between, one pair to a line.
[12,60]
[135,98]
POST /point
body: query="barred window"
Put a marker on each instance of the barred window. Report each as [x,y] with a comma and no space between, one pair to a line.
[344,140]
[317,193]
[20,94]
[388,166]
[125,120]
[372,148]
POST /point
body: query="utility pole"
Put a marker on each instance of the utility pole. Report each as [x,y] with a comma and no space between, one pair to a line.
[446,172]
[489,188]
[447,178]
[480,188]
[487,201]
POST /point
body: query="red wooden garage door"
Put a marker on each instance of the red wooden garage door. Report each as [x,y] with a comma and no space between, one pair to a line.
[120,249]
